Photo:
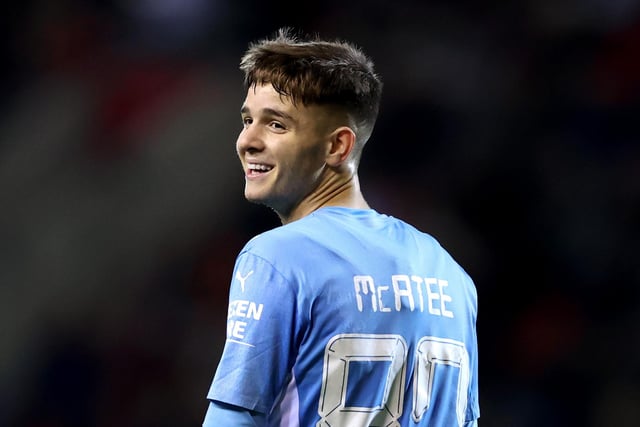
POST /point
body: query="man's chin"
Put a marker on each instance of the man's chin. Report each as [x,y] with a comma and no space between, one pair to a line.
[271,203]
[255,198]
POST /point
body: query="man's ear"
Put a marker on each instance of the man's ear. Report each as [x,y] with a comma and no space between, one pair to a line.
[343,139]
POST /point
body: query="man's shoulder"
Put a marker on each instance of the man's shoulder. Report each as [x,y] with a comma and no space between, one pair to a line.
[286,249]
[277,235]
[282,239]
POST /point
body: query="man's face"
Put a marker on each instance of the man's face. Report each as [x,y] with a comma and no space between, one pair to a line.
[282,149]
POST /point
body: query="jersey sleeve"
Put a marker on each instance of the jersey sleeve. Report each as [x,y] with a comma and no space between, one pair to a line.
[259,350]
[225,415]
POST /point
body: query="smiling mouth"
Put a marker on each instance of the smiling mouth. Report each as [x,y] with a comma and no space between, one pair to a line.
[257,169]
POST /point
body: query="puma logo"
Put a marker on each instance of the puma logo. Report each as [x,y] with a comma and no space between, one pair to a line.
[241,279]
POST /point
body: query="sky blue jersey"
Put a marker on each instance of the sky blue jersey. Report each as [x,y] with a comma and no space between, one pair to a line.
[351,318]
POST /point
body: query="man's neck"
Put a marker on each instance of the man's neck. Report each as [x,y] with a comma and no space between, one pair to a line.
[334,192]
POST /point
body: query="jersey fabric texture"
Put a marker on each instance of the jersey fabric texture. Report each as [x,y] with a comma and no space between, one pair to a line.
[349,317]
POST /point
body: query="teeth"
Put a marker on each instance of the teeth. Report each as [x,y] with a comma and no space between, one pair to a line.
[259,167]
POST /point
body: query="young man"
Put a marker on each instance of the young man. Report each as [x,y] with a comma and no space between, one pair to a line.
[342,316]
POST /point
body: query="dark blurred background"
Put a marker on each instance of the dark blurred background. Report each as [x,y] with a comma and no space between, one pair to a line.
[508,131]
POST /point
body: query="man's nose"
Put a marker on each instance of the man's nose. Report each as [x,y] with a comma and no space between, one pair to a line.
[250,139]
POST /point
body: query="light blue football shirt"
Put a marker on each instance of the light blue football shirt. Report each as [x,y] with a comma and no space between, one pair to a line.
[351,318]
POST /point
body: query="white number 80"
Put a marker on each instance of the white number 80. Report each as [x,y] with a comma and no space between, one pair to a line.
[343,349]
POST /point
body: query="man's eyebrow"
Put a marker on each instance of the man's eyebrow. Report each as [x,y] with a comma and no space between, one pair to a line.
[269,112]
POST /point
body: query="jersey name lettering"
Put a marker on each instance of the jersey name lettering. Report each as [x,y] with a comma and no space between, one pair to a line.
[405,292]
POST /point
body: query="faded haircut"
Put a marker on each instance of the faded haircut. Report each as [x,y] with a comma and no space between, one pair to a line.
[314,71]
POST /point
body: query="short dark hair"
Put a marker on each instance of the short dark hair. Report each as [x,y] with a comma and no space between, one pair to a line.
[321,72]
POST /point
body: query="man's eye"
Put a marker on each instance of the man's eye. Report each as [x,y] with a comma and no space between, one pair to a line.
[246,121]
[276,125]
